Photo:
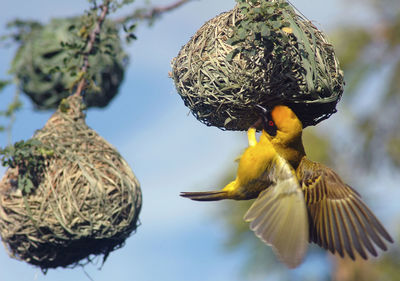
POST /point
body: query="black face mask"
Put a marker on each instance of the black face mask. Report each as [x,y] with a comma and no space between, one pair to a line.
[267,122]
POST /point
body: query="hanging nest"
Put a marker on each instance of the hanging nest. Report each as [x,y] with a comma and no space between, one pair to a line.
[262,53]
[86,201]
[37,61]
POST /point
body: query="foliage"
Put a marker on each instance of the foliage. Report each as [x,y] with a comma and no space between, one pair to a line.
[10,110]
[47,66]
[271,25]
[77,46]
[12,107]
[4,83]
[129,37]
[260,25]
[30,159]
[72,51]
[20,31]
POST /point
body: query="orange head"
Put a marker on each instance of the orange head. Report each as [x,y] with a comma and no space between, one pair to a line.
[286,120]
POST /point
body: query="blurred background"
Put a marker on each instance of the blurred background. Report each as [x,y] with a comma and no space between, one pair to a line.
[170,151]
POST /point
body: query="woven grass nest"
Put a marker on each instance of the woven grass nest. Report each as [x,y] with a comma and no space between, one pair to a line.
[40,51]
[87,201]
[261,52]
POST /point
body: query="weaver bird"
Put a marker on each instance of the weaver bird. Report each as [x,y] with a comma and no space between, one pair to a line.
[298,201]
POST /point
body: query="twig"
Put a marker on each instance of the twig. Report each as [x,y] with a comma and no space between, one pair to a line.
[150,13]
[156,11]
[90,44]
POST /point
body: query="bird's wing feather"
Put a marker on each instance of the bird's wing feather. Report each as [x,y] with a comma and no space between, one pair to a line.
[339,219]
[279,216]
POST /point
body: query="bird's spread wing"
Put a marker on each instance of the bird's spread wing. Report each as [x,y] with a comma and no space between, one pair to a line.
[339,220]
[279,216]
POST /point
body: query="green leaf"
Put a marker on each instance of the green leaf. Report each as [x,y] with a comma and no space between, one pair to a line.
[276,24]
[284,5]
[28,185]
[227,121]
[34,142]
[132,27]
[4,83]
[308,55]
[12,108]
[270,10]
[232,54]
[244,6]
[265,31]
[257,10]
[231,41]
[132,36]
[242,34]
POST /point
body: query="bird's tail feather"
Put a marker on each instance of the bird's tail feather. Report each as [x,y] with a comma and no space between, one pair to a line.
[205,196]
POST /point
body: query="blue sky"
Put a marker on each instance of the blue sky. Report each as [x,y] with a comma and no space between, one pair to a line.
[167,148]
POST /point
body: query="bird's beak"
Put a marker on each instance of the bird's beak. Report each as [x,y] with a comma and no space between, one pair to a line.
[263,112]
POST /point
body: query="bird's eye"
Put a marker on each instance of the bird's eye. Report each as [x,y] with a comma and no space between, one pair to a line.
[267,121]
[270,125]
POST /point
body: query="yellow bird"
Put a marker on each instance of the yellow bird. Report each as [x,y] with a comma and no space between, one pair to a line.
[279,215]
[297,200]
[339,220]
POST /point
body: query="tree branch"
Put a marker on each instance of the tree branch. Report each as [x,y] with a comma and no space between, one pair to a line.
[149,14]
[90,45]
[156,11]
